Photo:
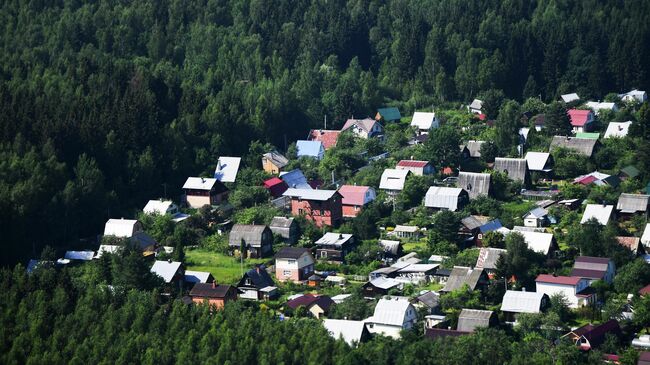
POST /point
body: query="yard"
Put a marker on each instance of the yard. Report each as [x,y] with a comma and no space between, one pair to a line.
[414,245]
[225,269]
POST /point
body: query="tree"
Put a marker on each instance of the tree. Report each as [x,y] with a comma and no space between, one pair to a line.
[441,148]
[641,128]
[489,151]
[632,277]
[507,126]
[557,121]
[493,239]
[519,261]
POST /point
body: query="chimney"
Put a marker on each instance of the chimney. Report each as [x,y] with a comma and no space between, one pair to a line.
[214,285]
[169,261]
[202,180]
[340,236]
[523,289]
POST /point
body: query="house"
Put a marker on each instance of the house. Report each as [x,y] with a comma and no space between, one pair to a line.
[380,286]
[392,181]
[194,277]
[537,217]
[631,243]
[170,271]
[123,228]
[215,295]
[323,207]
[476,184]
[355,198]
[515,302]
[227,169]
[594,268]
[294,264]
[630,204]
[273,162]
[364,128]
[257,240]
[598,106]
[160,207]
[474,227]
[515,168]
[417,274]
[287,228]
[583,146]
[352,332]
[257,284]
[275,186]
[601,212]
[567,98]
[539,161]
[388,114]
[634,95]
[429,300]
[313,149]
[391,316]
[391,249]
[590,337]
[327,137]
[444,198]
[474,278]
[334,246]
[476,106]
[424,122]
[436,333]
[617,130]
[575,289]
[581,120]
[200,191]
[471,319]
[472,149]
[317,305]
[645,290]
[295,179]
[488,257]
[407,232]
[79,255]
[629,172]
[539,121]
[597,178]
[540,242]
[419,168]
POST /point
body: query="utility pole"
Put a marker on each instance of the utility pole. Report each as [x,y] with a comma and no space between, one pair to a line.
[325,122]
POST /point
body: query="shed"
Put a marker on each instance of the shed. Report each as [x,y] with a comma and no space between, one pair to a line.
[287,228]
[167,270]
[474,148]
[352,332]
[424,121]
[601,212]
[256,238]
[393,179]
[488,257]
[524,302]
[583,146]
[633,203]
[439,197]
[471,319]
[515,168]
[388,114]
[475,184]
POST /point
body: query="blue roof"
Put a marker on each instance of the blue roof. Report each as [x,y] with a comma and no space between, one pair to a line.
[309,148]
[490,226]
[389,114]
[295,179]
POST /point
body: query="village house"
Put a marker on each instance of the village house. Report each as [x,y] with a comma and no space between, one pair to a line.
[294,264]
[472,149]
[637,96]
[355,198]
[430,301]
[600,212]
[583,146]
[227,169]
[171,272]
[323,207]
[631,243]
[388,114]
[194,277]
[598,106]
[407,232]
[515,302]
[200,191]
[476,184]
[391,316]
[568,98]
[352,332]
[327,137]
[470,320]
[487,259]
[392,181]
[537,217]
[316,305]
[594,268]
[275,186]
[617,129]
[257,240]
[213,294]
[541,162]
[419,168]
[416,274]
[295,179]
[131,230]
[364,128]
[444,198]
[257,284]
[473,228]
[592,336]
[515,168]
[575,289]
[460,275]
[334,246]
[597,178]
[629,172]
[380,286]
[312,149]
[273,162]
[423,122]
[287,228]
[540,242]
[160,207]
[631,204]
[476,107]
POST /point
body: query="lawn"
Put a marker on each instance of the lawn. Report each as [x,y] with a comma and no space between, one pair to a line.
[225,269]
[414,246]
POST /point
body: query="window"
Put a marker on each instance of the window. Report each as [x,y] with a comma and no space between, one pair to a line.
[300,211]
[322,212]
[286,273]
[292,262]
[247,281]
[356,208]
[323,254]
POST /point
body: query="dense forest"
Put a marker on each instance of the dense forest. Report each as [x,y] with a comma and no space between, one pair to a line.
[105,104]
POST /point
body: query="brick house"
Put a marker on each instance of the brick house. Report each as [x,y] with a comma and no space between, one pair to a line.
[323,207]
[294,263]
[355,198]
[216,295]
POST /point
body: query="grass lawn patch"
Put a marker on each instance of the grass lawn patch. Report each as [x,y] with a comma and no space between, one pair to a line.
[225,269]
[414,246]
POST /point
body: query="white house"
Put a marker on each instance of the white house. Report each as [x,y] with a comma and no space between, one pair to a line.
[536,217]
[444,198]
[424,122]
[364,128]
[601,212]
[645,238]
[124,228]
[419,168]
[567,98]
[160,207]
[572,287]
[391,316]
[598,106]
[617,130]
[476,106]
[634,95]
[392,181]
[352,332]
[168,270]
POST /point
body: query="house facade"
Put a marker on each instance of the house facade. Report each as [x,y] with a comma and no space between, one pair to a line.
[581,120]
[214,295]
[294,264]
[419,168]
[201,191]
[287,228]
[355,198]
[256,239]
[392,181]
[323,207]
[392,316]
[273,162]
[575,289]
[334,246]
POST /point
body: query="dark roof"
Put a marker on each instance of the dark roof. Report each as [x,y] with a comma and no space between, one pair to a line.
[515,168]
[430,299]
[471,319]
[291,252]
[630,171]
[210,290]
[596,334]
[434,333]
[584,146]
[307,300]
[474,183]
[389,113]
[251,234]
[463,275]
[281,222]
[589,274]
[259,277]
[593,260]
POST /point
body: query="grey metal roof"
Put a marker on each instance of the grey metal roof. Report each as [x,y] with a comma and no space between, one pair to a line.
[277,159]
[391,312]
[390,246]
[291,252]
[522,302]
[430,299]
[488,256]
[457,278]
[475,184]
[281,226]
[295,179]
[536,213]
[584,146]
[442,197]
[251,234]
[474,148]
[515,168]
[474,221]
[310,194]
[471,319]
[166,270]
[632,203]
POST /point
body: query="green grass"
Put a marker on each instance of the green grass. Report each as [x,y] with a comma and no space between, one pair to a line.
[414,246]
[225,269]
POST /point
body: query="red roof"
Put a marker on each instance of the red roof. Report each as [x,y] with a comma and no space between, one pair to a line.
[579,117]
[307,300]
[275,186]
[412,163]
[586,180]
[562,280]
[353,195]
[482,116]
[645,290]
[327,137]
[447,171]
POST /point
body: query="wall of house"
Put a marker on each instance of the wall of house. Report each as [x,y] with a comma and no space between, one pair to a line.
[328,213]
[351,211]
[297,271]
[249,294]
[386,330]
[568,291]
[198,201]
[217,303]
[269,167]
[316,311]
[532,222]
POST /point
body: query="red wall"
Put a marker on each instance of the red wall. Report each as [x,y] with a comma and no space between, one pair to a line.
[332,211]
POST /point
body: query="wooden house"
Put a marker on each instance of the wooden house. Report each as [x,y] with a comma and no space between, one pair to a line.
[200,191]
[213,294]
[256,239]
[273,162]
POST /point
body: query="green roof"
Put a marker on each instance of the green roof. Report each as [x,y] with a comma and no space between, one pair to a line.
[389,114]
[587,135]
[647,189]
[630,171]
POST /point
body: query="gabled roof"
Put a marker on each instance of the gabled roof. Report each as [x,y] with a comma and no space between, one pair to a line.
[590,267]
[227,168]
[276,158]
[617,130]
[537,161]
[461,275]
[522,302]
[166,269]
[631,243]
[211,290]
[120,227]
[107,249]
[308,300]
[295,179]
[630,171]
[633,203]
[442,197]
[423,121]
[515,168]
[327,137]
[596,334]
[579,117]
[391,312]
[310,194]
[598,106]
[538,241]
[412,163]
[291,252]
[258,276]
[567,98]
[584,146]
[350,331]
[558,280]
[639,95]
[488,256]
[275,186]
[356,195]
[389,114]
[281,222]
[474,183]
[476,104]
[158,206]
[493,225]
[474,221]
[474,148]
[384,283]
[429,299]
[471,319]
[202,183]
[250,233]
[79,255]
[365,124]
[310,148]
[393,179]
[197,276]
[334,239]
[536,213]
[390,246]
[601,212]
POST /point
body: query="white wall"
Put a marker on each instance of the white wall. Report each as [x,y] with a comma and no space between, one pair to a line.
[551,289]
